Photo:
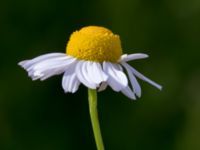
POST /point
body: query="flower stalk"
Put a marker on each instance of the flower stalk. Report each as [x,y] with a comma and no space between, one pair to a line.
[92,97]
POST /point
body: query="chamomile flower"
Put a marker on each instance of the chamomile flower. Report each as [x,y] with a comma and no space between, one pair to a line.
[93,58]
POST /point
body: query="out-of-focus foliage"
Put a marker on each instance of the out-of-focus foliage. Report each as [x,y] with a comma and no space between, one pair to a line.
[39,116]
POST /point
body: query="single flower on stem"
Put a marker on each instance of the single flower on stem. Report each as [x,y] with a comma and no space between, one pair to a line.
[94,58]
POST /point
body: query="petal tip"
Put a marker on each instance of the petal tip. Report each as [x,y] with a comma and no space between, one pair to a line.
[21,64]
[133,98]
[139,95]
[160,87]
[146,55]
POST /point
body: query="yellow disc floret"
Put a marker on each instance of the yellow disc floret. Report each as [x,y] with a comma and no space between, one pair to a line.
[94,43]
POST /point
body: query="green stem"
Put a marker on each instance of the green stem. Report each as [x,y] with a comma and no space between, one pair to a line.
[94,118]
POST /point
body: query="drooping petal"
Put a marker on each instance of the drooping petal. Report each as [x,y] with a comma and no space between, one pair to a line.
[134,83]
[142,77]
[116,78]
[70,82]
[95,72]
[57,69]
[127,91]
[82,74]
[52,67]
[45,66]
[130,57]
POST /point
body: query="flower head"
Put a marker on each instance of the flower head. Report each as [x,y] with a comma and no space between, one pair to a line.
[94,58]
[96,44]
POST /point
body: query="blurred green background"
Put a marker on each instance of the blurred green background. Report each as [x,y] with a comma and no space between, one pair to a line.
[39,116]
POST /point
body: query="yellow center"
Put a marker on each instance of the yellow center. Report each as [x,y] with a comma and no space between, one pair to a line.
[94,43]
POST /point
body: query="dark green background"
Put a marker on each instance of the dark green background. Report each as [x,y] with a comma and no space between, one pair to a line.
[39,116]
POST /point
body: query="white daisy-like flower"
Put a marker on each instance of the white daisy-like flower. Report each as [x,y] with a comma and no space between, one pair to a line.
[94,58]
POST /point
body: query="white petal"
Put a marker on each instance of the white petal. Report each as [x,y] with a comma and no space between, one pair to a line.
[70,82]
[103,86]
[45,66]
[51,62]
[127,91]
[141,76]
[116,78]
[82,74]
[51,67]
[95,72]
[27,63]
[134,83]
[130,57]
